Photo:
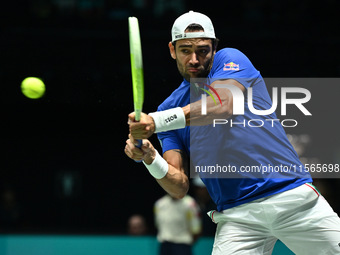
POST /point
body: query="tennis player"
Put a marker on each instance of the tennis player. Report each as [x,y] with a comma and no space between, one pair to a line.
[254,211]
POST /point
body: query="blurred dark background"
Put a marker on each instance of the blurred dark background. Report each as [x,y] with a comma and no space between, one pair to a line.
[62,168]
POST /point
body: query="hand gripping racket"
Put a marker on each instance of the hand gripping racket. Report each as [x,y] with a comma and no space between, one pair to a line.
[136,69]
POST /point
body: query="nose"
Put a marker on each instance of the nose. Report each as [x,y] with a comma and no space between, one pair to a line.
[193,59]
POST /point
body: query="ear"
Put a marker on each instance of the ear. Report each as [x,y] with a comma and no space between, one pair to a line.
[172,50]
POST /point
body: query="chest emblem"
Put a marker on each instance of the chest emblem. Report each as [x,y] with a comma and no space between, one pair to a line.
[231,66]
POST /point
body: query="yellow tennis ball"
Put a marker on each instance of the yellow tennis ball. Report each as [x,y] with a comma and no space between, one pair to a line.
[33,87]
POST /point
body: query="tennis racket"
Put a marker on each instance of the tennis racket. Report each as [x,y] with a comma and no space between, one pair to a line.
[136,69]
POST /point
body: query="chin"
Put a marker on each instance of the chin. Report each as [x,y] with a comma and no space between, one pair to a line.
[199,75]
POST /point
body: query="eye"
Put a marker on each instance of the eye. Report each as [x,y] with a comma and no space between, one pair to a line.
[202,52]
[185,51]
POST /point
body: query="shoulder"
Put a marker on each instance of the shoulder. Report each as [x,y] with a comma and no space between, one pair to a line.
[232,63]
[189,201]
[230,54]
[161,201]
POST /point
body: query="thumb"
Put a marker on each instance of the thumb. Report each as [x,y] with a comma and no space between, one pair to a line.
[146,147]
[131,117]
[149,152]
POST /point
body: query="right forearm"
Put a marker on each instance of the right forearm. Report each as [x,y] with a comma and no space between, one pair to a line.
[169,171]
[175,183]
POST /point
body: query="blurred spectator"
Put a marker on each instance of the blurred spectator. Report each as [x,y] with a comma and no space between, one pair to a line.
[9,209]
[137,225]
[206,204]
[299,142]
[178,223]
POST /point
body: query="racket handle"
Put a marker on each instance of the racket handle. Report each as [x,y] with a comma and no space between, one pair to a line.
[139,145]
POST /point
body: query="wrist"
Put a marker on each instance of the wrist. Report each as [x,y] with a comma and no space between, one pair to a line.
[168,120]
[149,158]
[158,167]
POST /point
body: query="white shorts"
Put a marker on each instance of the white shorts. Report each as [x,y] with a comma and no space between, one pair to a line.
[301,218]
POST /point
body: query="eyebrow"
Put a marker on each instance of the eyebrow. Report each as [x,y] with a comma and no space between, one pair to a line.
[190,46]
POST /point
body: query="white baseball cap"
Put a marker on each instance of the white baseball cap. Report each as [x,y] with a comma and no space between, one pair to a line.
[183,21]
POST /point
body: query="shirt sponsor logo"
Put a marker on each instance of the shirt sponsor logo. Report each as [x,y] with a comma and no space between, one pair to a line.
[231,66]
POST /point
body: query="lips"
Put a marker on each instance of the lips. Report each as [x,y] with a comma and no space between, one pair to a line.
[193,70]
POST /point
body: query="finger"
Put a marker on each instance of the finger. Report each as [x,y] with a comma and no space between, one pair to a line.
[131,116]
[136,134]
[129,142]
[131,138]
[127,152]
[138,154]
[135,125]
[146,147]
[133,152]
[128,149]
[133,149]
[138,128]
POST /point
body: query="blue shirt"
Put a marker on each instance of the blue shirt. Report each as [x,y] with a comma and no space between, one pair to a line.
[239,145]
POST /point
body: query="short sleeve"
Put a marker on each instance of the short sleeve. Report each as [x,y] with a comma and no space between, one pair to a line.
[170,140]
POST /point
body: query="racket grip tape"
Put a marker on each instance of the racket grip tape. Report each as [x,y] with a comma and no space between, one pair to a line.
[139,145]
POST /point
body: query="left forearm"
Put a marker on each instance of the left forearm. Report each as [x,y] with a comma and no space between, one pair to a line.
[193,112]
[223,109]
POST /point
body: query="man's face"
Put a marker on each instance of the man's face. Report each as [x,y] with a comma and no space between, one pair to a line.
[194,57]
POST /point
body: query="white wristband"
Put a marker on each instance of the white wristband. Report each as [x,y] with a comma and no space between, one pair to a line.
[168,120]
[159,167]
